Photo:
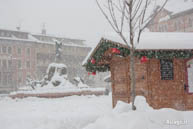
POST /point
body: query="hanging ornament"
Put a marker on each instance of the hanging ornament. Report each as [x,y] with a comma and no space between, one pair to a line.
[144,59]
[93,73]
[115,50]
[88,73]
[93,61]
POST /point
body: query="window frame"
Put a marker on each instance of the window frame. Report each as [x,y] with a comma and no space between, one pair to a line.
[28,64]
[162,70]
[9,50]
[4,63]
[4,49]
[28,51]
[19,51]
[19,64]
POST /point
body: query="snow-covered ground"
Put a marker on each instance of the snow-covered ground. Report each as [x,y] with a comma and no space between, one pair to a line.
[87,112]
[73,112]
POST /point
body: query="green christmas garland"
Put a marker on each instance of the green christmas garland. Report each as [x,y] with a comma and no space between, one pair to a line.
[158,54]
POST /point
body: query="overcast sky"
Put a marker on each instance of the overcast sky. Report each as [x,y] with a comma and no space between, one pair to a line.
[70,18]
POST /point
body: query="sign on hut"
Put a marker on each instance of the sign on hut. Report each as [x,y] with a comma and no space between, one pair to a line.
[163,68]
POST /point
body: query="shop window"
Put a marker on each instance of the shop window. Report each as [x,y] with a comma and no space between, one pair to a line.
[166,69]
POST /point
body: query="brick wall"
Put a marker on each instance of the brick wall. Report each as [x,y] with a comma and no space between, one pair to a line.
[177,23]
[159,93]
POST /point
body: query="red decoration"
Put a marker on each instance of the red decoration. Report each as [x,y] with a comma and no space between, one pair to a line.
[93,73]
[115,50]
[144,59]
[88,73]
[93,61]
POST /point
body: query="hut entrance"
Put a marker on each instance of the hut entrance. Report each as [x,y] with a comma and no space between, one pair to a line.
[120,82]
[190,75]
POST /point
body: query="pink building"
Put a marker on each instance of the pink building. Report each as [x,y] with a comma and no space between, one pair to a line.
[23,55]
[177,16]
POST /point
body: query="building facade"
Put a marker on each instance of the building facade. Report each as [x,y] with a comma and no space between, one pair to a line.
[23,55]
[175,17]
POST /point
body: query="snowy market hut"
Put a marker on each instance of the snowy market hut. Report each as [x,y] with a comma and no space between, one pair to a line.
[163,67]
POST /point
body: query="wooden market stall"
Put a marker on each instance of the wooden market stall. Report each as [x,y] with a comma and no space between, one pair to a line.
[163,67]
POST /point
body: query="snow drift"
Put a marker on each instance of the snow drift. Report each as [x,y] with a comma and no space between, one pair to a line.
[122,117]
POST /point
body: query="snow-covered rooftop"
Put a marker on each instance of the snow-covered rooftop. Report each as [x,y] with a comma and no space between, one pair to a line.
[177,6]
[160,40]
[154,41]
[166,41]
[34,38]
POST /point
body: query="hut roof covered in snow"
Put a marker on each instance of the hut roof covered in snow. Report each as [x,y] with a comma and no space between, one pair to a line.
[153,45]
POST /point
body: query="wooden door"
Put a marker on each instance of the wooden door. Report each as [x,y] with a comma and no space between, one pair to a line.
[120,79]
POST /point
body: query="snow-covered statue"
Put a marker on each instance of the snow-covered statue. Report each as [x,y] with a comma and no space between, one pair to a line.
[79,82]
[56,74]
[58,51]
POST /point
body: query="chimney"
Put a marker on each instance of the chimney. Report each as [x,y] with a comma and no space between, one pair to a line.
[18,28]
[43,29]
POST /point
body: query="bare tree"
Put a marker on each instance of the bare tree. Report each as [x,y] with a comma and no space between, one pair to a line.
[129,18]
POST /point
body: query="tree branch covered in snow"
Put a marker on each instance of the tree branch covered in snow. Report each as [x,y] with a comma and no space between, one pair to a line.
[129,18]
[120,13]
